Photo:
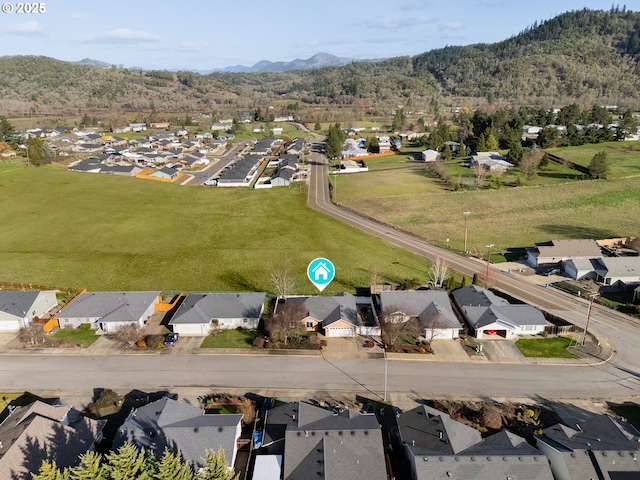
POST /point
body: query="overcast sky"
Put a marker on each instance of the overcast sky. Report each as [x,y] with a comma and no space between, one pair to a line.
[202,35]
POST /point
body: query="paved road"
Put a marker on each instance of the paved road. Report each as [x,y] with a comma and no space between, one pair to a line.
[619,329]
[414,378]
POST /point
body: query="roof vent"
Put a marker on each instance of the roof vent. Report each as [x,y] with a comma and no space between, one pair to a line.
[578,427]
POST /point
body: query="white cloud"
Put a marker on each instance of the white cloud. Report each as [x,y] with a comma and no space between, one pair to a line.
[190,47]
[26,28]
[451,26]
[396,23]
[123,35]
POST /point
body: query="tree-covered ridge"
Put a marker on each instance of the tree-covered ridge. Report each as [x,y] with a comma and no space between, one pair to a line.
[584,56]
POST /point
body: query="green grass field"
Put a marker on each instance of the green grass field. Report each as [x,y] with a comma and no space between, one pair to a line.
[624,157]
[546,347]
[407,196]
[103,232]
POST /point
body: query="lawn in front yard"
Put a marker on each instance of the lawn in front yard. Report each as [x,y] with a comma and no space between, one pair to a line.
[230,339]
[555,347]
[86,337]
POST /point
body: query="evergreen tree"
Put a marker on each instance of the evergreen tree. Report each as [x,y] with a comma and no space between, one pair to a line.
[599,166]
[129,463]
[398,120]
[8,133]
[476,280]
[482,144]
[171,467]
[466,281]
[334,141]
[91,468]
[216,467]
[451,283]
[317,126]
[446,153]
[515,152]
[491,143]
[49,471]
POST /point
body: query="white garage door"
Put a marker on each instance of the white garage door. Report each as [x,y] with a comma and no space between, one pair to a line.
[340,332]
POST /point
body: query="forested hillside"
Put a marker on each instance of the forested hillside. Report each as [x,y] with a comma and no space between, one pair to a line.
[583,56]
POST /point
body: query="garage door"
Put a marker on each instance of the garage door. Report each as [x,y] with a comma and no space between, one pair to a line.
[340,332]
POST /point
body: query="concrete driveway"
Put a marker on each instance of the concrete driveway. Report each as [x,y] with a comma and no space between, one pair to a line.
[501,351]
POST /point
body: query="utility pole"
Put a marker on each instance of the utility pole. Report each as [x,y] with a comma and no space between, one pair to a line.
[466,216]
[592,297]
[384,352]
[486,277]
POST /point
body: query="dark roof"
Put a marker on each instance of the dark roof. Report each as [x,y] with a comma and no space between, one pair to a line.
[429,431]
[110,306]
[423,304]
[345,446]
[477,296]
[241,168]
[328,310]
[167,423]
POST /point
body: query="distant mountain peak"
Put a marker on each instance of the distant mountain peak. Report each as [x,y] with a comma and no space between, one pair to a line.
[93,63]
[319,60]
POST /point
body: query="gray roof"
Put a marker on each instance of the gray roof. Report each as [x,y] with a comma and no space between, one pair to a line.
[617,267]
[110,306]
[264,144]
[477,296]
[328,310]
[198,308]
[179,426]
[53,433]
[513,315]
[241,168]
[339,446]
[520,467]
[567,248]
[423,304]
[16,302]
[428,431]
[601,432]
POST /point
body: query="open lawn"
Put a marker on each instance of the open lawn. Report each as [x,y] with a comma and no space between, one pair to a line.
[230,339]
[509,217]
[104,232]
[555,347]
[86,337]
[624,157]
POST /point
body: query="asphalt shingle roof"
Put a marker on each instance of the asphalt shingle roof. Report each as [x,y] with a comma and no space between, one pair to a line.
[110,306]
[200,308]
[17,303]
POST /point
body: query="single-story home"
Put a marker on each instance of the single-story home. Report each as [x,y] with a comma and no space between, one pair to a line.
[431,307]
[107,312]
[198,312]
[19,308]
[555,251]
[618,271]
[181,428]
[487,314]
[336,316]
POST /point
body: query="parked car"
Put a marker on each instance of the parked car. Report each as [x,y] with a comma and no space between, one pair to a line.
[171,339]
[552,271]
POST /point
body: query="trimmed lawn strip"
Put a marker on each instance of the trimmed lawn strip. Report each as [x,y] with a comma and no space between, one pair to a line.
[230,339]
[85,337]
[546,347]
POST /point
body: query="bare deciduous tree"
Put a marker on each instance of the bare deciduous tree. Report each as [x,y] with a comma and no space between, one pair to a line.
[396,320]
[128,334]
[32,335]
[283,283]
[529,165]
[431,323]
[287,323]
[480,172]
[438,272]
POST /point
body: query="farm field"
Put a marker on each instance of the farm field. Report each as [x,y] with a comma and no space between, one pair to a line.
[102,232]
[508,217]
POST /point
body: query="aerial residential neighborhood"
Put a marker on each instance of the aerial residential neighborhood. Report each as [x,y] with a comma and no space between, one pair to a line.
[227,254]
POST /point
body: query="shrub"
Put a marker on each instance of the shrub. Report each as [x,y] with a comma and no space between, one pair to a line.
[153,341]
[84,326]
[259,342]
[491,417]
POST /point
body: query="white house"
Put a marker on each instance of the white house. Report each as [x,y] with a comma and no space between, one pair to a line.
[107,312]
[490,315]
[431,307]
[19,308]
[200,311]
[556,251]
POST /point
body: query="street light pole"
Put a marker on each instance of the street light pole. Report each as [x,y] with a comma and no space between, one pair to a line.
[486,277]
[466,216]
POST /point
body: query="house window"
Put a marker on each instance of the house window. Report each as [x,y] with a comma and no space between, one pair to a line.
[309,324]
